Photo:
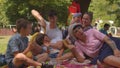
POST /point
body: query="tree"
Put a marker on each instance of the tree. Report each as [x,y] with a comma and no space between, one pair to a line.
[3,17]
[22,8]
[115,9]
[106,10]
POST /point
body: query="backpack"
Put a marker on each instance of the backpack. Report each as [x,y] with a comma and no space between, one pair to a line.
[2,60]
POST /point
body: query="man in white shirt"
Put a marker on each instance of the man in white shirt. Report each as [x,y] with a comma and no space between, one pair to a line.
[50,28]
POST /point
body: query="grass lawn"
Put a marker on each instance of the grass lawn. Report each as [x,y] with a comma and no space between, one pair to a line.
[3,43]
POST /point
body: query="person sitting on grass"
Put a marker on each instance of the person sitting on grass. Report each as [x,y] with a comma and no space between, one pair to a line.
[18,46]
[51,29]
[94,45]
[76,18]
[44,41]
[87,21]
[105,30]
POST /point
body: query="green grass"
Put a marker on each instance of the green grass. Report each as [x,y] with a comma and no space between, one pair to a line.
[3,43]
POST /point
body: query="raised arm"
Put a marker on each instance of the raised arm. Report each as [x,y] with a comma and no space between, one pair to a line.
[39,18]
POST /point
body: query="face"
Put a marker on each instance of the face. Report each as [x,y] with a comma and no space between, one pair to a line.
[86,20]
[52,19]
[107,27]
[27,30]
[77,19]
[78,33]
[46,39]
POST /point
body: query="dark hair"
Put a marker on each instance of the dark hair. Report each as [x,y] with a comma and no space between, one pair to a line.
[36,28]
[22,23]
[90,15]
[52,13]
[40,38]
[77,27]
[105,25]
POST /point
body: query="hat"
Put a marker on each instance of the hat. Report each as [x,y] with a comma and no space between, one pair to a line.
[71,28]
[77,14]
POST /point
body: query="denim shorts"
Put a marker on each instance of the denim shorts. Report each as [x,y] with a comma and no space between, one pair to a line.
[54,55]
[106,51]
[11,65]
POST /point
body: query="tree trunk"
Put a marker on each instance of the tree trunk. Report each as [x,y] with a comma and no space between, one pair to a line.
[84,4]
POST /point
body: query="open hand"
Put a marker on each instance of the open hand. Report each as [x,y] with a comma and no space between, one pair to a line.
[31,45]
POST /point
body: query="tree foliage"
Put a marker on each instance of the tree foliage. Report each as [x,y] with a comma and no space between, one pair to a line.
[22,9]
[106,10]
[14,9]
[3,17]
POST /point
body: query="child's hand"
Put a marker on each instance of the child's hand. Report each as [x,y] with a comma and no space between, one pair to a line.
[68,41]
[37,50]
[30,46]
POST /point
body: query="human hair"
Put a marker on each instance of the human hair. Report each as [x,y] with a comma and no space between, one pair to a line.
[40,38]
[52,13]
[37,28]
[77,27]
[90,14]
[22,23]
[105,25]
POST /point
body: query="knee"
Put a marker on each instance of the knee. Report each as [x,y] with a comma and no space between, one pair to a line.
[45,55]
[20,56]
[18,59]
[113,59]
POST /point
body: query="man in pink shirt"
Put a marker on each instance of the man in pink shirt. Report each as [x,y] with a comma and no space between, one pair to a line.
[93,43]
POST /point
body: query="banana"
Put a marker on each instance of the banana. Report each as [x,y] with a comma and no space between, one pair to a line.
[29,54]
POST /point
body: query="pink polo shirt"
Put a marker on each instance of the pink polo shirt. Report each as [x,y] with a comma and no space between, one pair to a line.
[93,44]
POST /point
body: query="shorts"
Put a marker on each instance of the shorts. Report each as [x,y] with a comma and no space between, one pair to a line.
[54,55]
[11,65]
[106,51]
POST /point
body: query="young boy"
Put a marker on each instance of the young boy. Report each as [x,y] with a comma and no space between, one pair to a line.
[51,28]
[18,46]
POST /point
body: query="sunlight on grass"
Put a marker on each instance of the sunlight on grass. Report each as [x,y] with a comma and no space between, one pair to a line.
[3,43]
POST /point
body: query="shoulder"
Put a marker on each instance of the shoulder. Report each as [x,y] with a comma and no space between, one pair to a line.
[91,30]
[47,22]
[58,30]
[14,40]
[101,30]
[16,36]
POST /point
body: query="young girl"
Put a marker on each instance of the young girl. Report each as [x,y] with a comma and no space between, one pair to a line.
[44,41]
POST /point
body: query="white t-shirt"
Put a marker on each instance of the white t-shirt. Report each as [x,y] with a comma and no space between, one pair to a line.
[54,34]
